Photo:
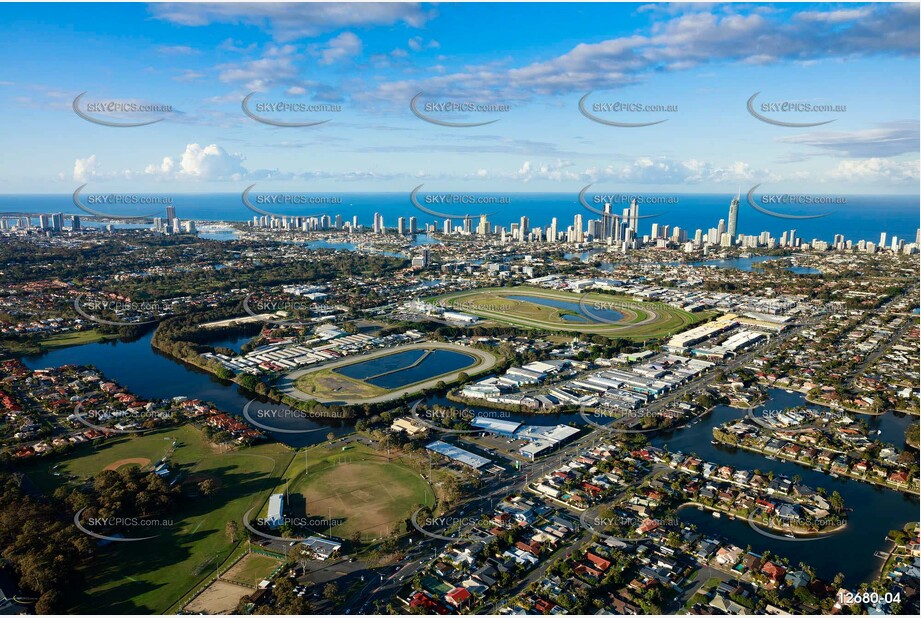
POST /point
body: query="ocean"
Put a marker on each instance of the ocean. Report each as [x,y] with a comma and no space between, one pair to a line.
[861,217]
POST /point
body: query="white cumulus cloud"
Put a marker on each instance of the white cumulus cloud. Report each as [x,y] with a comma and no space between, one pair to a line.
[85,169]
[341,47]
[876,170]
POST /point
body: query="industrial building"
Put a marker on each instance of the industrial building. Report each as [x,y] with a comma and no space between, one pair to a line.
[541,438]
[459,455]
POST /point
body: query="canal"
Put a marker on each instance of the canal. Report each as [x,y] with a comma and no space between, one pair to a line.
[875,511]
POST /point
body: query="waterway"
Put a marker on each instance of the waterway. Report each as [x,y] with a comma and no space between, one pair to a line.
[409,367]
[150,374]
[875,510]
[578,315]
[749,264]
[754,263]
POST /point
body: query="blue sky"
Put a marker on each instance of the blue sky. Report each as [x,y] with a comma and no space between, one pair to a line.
[704,61]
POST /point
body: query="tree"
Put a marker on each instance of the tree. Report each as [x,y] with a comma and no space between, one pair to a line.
[450,489]
[330,436]
[232,530]
[207,487]
[48,603]
[804,595]
[330,591]
[248,381]
[836,501]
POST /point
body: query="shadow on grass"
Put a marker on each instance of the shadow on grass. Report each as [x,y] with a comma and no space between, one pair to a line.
[116,577]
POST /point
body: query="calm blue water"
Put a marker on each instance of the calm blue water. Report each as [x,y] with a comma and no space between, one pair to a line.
[863,217]
[874,510]
[804,270]
[751,263]
[234,343]
[436,363]
[373,367]
[607,314]
[325,244]
[218,235]
[150,374]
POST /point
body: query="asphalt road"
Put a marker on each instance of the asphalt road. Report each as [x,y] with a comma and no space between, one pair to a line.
[513,482]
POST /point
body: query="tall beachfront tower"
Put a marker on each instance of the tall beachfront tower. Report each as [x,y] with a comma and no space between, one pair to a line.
[734,216]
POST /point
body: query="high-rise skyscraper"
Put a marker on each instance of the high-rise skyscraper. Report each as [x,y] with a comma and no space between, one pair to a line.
[578,230]
[551,233]
[733,228]
[401,225]
[634,216]
[170,213]
[607,222]
[483,228]
[594,228]
[412,225]
[523,229]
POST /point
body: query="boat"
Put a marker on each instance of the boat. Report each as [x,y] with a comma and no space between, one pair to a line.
[715,514]
[790,535]
[787,390]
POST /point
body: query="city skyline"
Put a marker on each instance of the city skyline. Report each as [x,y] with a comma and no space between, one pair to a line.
[616,231]
[460,309]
